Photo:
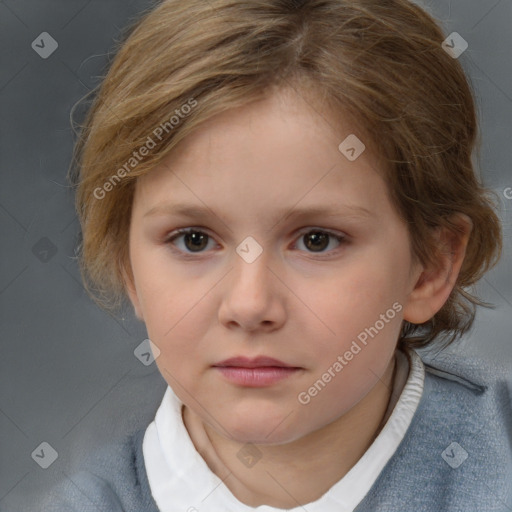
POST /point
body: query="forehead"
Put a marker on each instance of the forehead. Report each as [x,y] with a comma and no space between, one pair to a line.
[280,151]
[287,118]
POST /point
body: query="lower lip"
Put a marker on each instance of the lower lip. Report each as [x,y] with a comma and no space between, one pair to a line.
[256,377]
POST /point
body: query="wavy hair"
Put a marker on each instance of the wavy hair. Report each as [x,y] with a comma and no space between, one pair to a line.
[379,61]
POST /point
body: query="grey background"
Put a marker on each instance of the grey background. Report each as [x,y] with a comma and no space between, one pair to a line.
[68,374]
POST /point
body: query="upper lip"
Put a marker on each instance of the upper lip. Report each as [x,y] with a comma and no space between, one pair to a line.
[257,362]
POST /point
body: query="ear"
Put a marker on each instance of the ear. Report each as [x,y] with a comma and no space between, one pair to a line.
[129,286]
[434,285]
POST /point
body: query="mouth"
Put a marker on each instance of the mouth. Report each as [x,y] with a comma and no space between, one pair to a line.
[258,372]
[256,362]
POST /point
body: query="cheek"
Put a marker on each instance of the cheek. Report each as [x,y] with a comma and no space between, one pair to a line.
[353,296]
[178,316]
[348,308]
[176,335]
[165,301]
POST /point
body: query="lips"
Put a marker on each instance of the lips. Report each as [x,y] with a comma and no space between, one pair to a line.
[257,362]
[258,372]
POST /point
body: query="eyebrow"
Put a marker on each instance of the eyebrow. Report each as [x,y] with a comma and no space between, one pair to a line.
[200,212]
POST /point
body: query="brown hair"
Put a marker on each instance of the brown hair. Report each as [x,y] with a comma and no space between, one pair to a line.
[380,62]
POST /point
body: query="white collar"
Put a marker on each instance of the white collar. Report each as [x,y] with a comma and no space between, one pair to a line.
[180,479]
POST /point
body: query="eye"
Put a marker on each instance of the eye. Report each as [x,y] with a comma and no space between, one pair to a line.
[194,239]
[315,240]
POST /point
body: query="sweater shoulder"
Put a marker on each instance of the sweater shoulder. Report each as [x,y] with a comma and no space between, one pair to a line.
[113,479]
[458,447]
[83,491]
[470,395]
[471,371]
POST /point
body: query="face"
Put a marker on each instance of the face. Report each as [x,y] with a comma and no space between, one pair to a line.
[256,277]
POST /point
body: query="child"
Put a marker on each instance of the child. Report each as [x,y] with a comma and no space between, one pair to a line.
[284,191]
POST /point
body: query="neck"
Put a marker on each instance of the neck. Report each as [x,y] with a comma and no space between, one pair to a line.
[299,472]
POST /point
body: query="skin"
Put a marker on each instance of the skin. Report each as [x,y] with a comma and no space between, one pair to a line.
[294,303]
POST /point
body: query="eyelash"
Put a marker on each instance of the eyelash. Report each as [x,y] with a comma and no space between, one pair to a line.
[189,255]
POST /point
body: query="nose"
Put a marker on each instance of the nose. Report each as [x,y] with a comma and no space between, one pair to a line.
[253,295]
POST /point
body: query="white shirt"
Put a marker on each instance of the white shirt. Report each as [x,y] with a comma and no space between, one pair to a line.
[180,479]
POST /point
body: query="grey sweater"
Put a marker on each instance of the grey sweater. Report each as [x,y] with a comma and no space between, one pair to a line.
[456,455]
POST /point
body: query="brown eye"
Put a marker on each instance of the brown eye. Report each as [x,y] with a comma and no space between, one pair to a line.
[196,240]
[193,239]
[318,240]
